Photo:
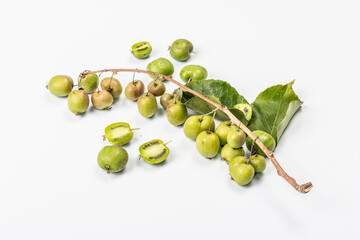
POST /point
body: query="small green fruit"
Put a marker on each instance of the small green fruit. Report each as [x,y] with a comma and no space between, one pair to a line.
[192,73]
[197,124]
[208,144]
[162,66]
[102,100]
[166,99]
[147,105]
[141,49]
[118,133]
[156,87]
[176,113]
[242,173]
[89,83]
[112,85]
[265,138]
[222,131]
[78,101]
[246,109]
[112,158]
[258,162]
[60,85]
[228,153]
[154,151]
[134,90]
[180,49]
[236,138]
[239,159]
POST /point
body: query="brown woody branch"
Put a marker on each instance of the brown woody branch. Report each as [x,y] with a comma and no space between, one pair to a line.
[304,188]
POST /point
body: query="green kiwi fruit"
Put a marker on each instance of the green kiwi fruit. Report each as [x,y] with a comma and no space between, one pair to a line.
[118,133]
[154,151]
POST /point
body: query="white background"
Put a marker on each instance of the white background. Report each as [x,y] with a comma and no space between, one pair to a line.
[50,184]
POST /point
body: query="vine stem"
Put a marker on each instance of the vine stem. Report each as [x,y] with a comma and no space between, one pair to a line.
[304,188]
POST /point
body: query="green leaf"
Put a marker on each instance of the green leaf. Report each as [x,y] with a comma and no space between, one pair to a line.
[273,109]
[218,91]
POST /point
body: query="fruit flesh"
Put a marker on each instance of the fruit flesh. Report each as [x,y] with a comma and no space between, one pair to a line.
[141,49]
[246,109]
[154,151]
[118,133]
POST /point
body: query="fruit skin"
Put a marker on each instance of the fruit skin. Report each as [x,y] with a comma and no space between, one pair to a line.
[228,153]
[196,124]
[176,113]
[192,73]
[147,105]
[242,173]
[151,159]
[265,138]
[89,83]
[180,49]
[258,162]
[60,85]
[246,109]
[162,66]
[134,90]
[141,49]
[156,87]
[115,89]
[78,101]
[102,99]
[166,99]
[208,144]
[239,159]
[116,140]
[236,138]
[112,158]
[222,131]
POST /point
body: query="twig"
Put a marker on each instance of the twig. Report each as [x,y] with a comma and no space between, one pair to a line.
[304,188]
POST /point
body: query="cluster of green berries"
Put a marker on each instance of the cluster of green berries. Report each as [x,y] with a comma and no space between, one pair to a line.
[78,100]
[227,137]
[231,138]
[111,88]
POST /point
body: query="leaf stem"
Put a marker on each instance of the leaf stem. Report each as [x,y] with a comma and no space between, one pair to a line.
[304,188]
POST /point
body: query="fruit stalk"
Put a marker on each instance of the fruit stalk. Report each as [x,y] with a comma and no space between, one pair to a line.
[304,188]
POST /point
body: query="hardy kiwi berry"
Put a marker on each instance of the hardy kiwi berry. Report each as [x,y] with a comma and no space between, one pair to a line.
[118,133]
[134,90]
[112,158]
[154,151]
[112,85]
